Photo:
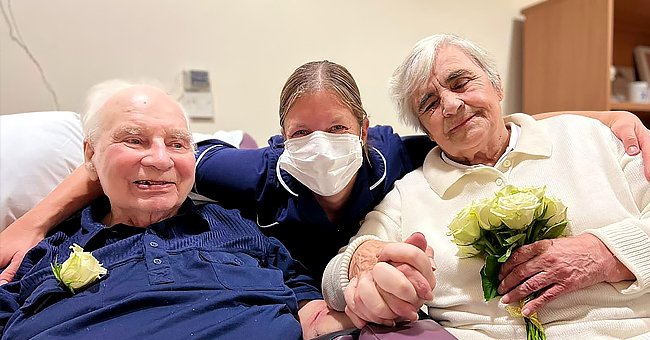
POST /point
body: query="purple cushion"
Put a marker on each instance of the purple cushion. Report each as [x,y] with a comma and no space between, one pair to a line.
[421,329]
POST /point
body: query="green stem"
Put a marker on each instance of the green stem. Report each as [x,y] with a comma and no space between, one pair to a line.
[490,248]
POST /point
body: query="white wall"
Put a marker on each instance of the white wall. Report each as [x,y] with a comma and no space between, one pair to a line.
[250,47]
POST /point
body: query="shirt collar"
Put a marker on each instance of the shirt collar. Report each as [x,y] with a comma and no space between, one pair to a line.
[91,220]
[515,131]
[528,140]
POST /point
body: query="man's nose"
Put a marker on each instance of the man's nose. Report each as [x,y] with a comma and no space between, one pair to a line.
[158,156]
[451,103]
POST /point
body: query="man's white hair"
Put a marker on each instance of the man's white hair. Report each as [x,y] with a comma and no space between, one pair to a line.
[97,97]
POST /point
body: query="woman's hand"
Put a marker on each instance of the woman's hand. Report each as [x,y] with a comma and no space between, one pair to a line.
[634,135]
[555,267]
[395,286]
[16,240]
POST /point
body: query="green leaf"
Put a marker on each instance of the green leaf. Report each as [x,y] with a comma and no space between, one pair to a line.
[555,231]
[534,235]
[513,239]
[506,256]
[490,277]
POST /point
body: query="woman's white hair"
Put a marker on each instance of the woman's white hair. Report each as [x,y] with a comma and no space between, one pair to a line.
[97,97]
[415,72]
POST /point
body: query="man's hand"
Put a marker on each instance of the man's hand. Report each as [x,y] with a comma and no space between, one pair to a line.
[395,286]
[556,267]
[15,241]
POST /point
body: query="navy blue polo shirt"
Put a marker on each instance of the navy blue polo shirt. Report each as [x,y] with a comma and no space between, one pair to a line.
[205,273]
[250,180]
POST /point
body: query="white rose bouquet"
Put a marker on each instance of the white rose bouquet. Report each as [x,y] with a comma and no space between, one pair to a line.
[494,227]
[79,270]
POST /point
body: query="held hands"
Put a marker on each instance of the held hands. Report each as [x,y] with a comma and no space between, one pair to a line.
[555,267]
[390,281]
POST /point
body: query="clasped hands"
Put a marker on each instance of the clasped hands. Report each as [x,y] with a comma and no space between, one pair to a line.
[389,281]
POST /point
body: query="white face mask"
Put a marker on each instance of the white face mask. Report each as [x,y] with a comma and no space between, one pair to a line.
[323,162]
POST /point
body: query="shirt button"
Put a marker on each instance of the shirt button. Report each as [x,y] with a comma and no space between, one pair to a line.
[157,261]
[499,182]
[507,163]
[153,244]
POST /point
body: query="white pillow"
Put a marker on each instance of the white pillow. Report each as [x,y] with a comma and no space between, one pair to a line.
[233,137]
[37,151]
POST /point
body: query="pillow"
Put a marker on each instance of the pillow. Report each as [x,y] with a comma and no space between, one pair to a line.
[38,150]
[237,138]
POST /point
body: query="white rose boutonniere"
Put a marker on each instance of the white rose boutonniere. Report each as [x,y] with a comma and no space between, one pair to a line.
[79,270]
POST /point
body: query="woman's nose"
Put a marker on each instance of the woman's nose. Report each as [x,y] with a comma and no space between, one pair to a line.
[451,103]
[158,157]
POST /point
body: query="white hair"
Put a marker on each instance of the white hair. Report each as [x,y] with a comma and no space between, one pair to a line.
[97,97]
[415,72]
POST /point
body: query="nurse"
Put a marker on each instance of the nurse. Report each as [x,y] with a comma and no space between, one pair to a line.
[321,176]
[316,181]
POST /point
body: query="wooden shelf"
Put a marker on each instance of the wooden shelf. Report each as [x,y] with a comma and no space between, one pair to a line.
[569,48]
[628,106]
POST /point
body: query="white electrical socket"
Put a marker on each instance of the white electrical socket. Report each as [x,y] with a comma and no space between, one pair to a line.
[198,104]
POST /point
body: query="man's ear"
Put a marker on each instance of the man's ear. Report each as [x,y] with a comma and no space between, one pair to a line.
[89,152]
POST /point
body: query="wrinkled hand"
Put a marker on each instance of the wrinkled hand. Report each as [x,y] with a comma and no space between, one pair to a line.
[556,267]
[15,241]
[634,135]
[395,287]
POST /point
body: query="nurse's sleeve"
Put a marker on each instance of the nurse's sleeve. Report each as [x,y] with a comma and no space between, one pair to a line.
[237,177]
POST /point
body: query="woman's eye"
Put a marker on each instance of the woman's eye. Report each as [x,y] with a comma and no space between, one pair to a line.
[299,133]
[337,128]
[460,84]
[178,145]
[431,107]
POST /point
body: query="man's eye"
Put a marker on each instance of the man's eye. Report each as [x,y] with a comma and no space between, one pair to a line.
[337,129]
[134,141]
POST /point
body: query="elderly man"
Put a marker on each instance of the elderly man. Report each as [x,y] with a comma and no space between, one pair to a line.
[174,270]
[595,282]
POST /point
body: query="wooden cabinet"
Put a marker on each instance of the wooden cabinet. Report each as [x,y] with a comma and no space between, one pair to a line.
[569,46]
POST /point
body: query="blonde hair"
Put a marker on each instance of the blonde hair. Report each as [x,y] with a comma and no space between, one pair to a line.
[318,76]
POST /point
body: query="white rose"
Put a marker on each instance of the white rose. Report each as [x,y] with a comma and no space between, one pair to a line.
[79,270]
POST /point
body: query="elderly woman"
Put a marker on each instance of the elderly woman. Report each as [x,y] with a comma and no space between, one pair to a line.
[595,282]
[172,269]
